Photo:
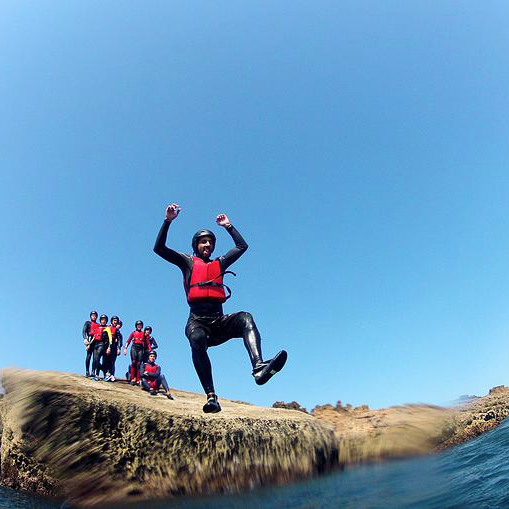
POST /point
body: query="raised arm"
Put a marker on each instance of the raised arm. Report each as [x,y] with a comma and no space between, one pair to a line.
[160,248]
[240,244]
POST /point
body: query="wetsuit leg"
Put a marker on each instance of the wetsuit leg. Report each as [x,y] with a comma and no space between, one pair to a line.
[162,381]
[90,353]
[139,360]
[133,370]
[197,336]
[96,362]
[111,359]
[242,325]
[144,385]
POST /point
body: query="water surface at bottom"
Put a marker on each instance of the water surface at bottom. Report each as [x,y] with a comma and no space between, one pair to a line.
[473,475]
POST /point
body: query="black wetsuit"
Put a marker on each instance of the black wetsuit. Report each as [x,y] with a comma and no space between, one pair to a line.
[153,346]
[90,350]
[116,345]
[99,348]
[153,380]
[207,325]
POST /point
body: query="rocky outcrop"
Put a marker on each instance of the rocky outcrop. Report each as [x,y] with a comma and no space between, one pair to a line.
[409,430]
[89,442]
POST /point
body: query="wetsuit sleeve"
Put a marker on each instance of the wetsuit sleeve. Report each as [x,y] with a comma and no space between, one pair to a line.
[181,260]
[110,337]
[129,339]
[235,253]
[142,370]
[153,344]
[120,339]
[86,329]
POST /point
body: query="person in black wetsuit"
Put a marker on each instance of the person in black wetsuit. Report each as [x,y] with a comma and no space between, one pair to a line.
[88,338]
[114,350]
[101,345]
[207,324]
[152,378]
[151,342]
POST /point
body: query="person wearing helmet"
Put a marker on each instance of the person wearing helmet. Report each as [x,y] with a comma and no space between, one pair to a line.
[207,325]
[150,342]
[137,337]
[120,343]
[111,357]
[151,377]
[101,345]
[88,326]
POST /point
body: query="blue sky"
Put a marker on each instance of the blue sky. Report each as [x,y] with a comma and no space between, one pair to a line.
[360,148]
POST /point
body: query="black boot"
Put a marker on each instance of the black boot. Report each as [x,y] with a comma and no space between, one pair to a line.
[212,406]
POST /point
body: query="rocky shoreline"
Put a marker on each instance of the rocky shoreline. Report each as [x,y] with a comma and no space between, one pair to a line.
[67,437]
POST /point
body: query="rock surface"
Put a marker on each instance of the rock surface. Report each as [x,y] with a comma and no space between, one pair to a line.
[94,442]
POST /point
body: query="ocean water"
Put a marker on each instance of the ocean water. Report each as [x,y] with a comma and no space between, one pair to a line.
[472,475]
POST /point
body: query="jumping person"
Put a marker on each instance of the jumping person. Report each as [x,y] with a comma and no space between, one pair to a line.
[151,377]
[207,324]
[137,336]
[150,342]
[88,339]
[101,345]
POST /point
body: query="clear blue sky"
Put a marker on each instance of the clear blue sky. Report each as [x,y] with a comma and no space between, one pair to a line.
[361,148]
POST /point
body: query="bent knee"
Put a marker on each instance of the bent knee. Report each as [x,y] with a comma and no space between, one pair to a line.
[198,339]
[247,319]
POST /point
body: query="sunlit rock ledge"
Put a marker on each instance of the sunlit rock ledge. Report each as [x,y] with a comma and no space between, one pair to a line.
[96,443]
[92,443]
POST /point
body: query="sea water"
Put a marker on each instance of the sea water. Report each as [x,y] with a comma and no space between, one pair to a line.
[472,475]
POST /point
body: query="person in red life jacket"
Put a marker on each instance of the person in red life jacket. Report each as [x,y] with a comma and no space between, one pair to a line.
[207,324]
[150,342]
[101,344]
[151,377]
[87,340]
[114,350]
[137,336]
[120,343]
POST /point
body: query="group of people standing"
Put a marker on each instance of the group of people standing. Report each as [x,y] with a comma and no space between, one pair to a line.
[103,344]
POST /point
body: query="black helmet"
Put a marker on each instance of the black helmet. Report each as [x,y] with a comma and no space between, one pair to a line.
[115,317]
[94,313]
[120,323]
[138,322]
[152,352]
[103,316]
[148,327]
[202,233]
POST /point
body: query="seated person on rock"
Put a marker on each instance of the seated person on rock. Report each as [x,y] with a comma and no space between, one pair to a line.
[151,377]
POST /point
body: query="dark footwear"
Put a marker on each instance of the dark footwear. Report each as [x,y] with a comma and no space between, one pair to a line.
[169,396]
[153,392]
[263,373]
[87,374]
[132,382]
[212,406]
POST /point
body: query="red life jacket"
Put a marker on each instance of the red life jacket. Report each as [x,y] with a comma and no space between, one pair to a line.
[138,337]
[151,368]
[206,282]
[95,331]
